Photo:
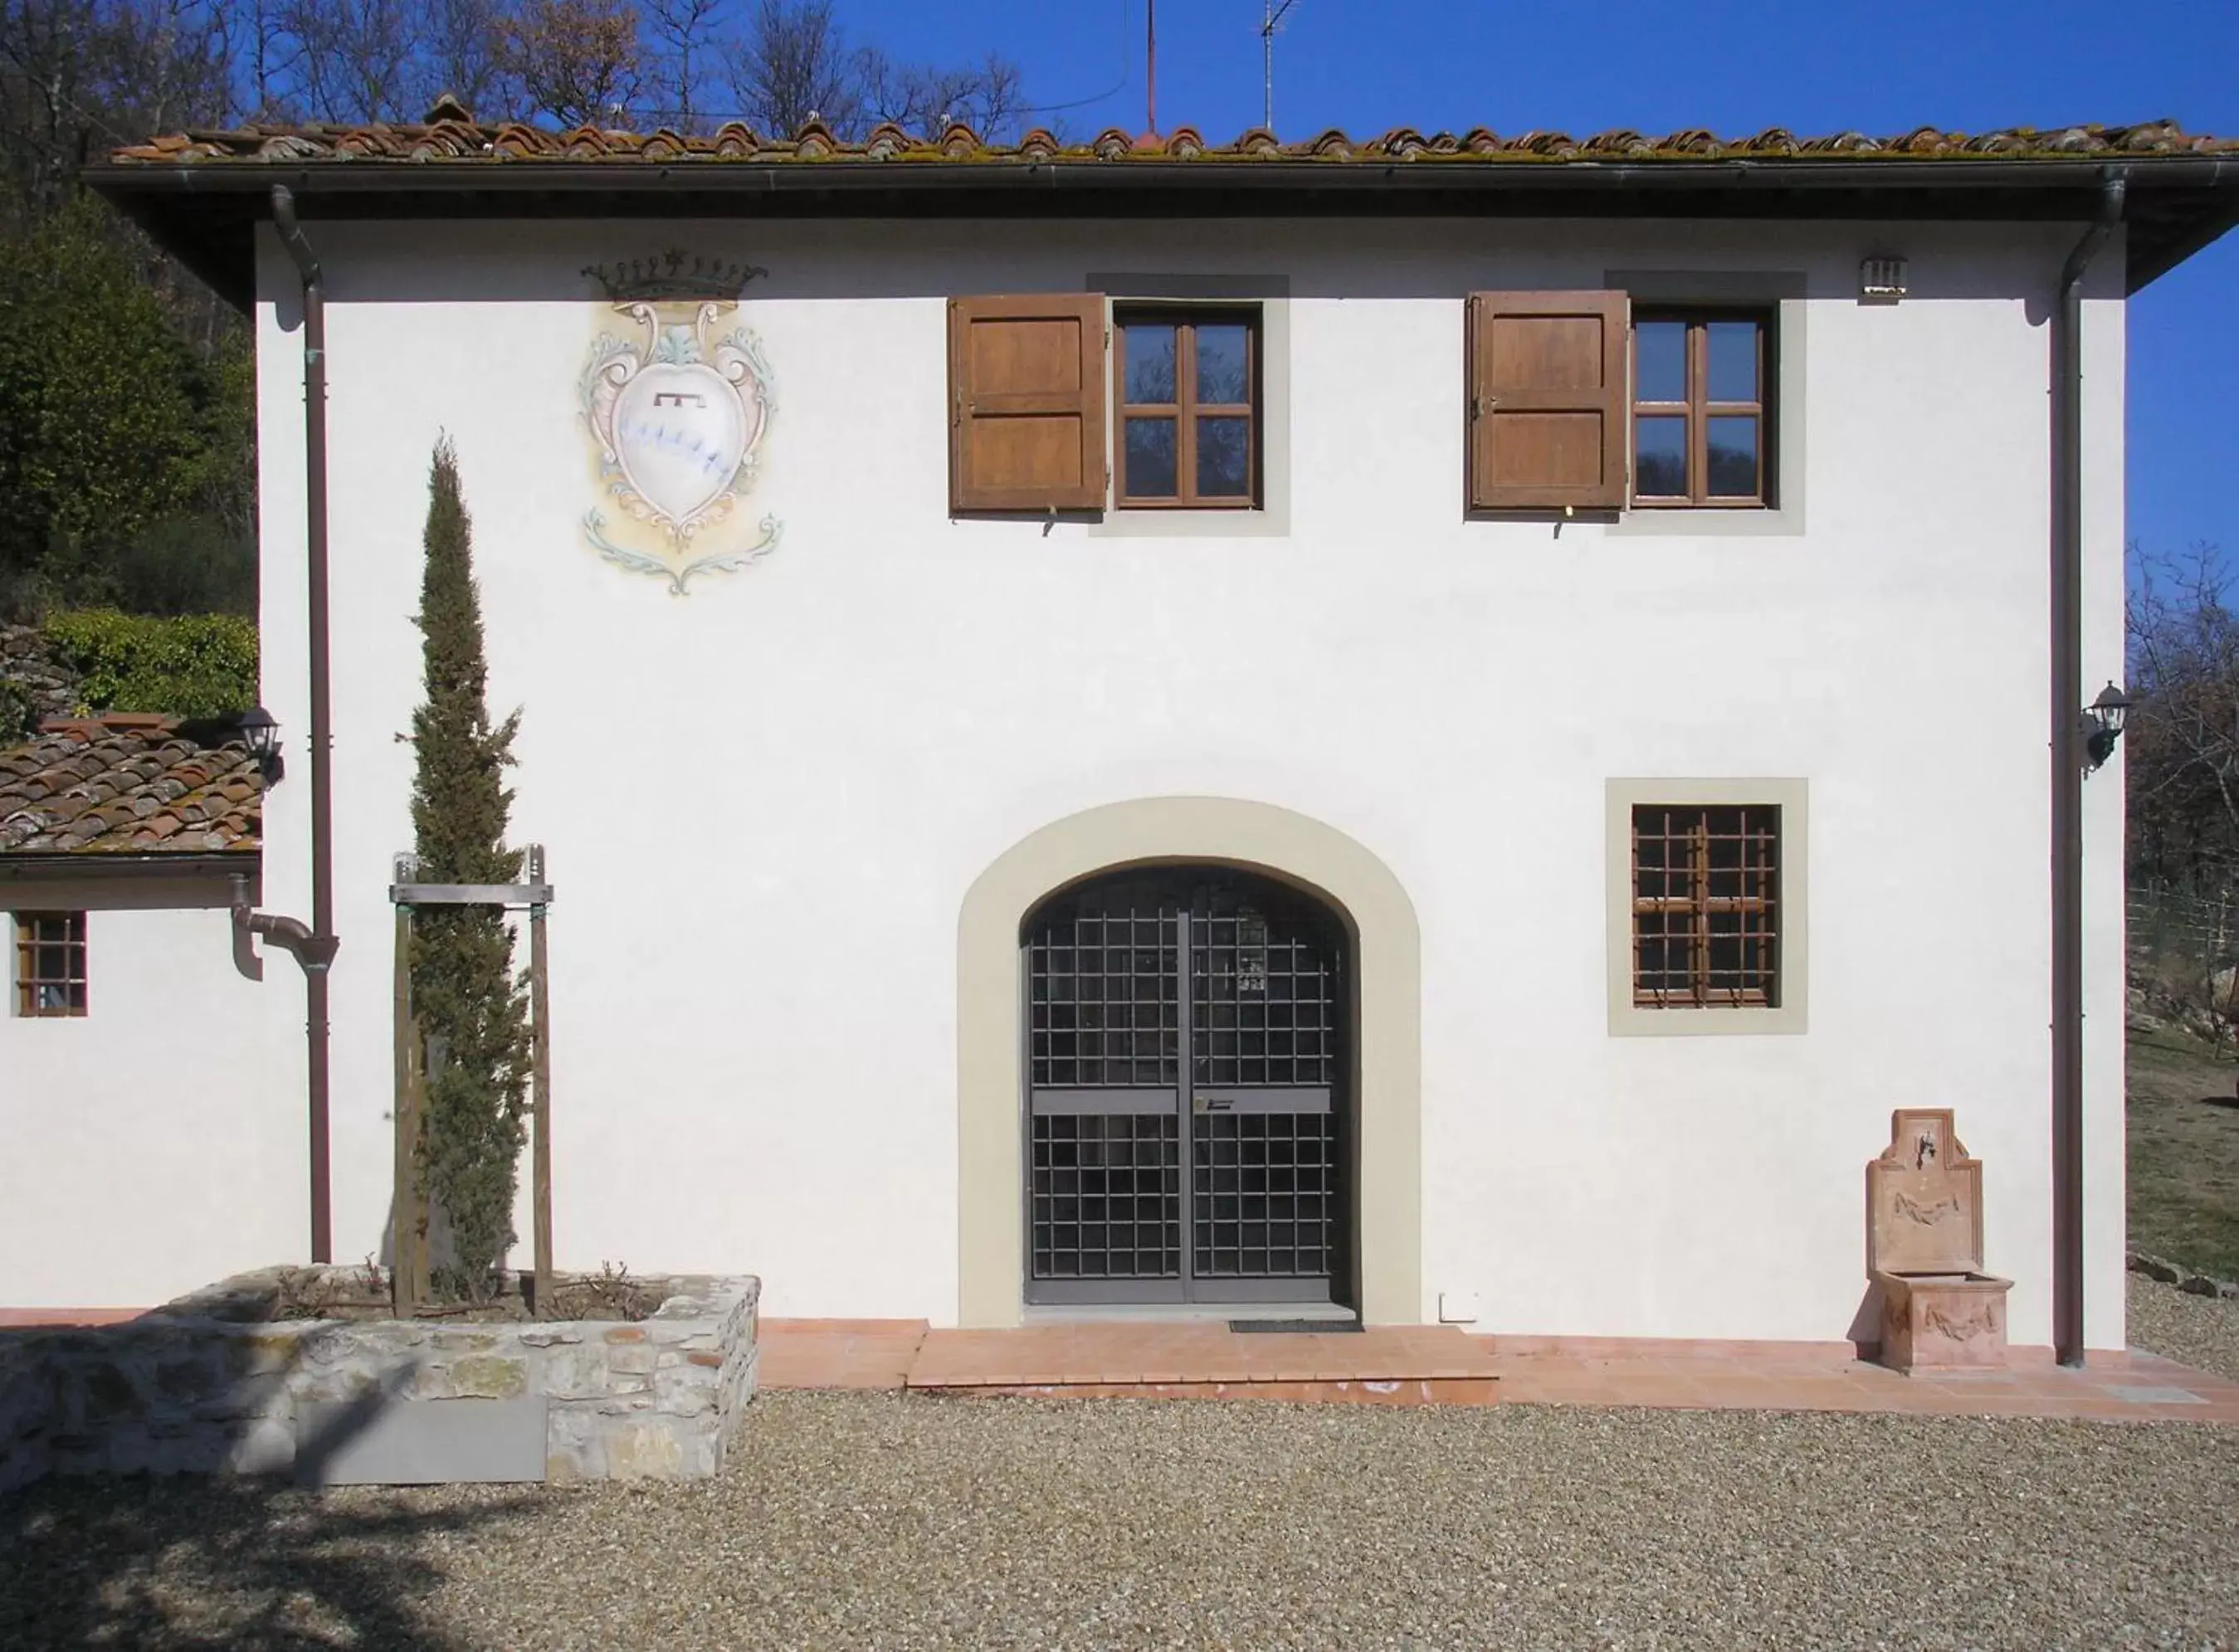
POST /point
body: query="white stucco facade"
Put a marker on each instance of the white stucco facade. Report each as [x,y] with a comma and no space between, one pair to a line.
[764,804]
[150,1146]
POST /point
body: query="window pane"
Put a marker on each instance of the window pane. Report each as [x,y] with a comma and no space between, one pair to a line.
[1223,365]
[1150,351]
[1659,358]
[1733,458]
[1733,361]
[1150,472]
[1224,457]
[1659,464]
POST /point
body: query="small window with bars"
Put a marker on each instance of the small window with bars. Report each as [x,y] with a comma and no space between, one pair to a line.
[51,976]
[1705,905]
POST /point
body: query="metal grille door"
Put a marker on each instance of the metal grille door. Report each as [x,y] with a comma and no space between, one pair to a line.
[1150,1177]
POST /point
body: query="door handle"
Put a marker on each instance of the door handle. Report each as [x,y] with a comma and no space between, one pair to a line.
[1214,1103]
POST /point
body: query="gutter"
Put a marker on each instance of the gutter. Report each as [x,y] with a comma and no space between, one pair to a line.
[2067,769]
[28,866]
[312,945]
[1467,174]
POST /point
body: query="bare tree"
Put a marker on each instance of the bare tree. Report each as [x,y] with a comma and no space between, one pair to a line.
[44,92]
[793,65]
[2183,769]
[688,39]
[578,61]
[796,62]
[79,76]
[461,53]
[2184,756]
[922,98]
[355,57]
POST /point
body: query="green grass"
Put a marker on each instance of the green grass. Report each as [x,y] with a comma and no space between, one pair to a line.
[2184,1152]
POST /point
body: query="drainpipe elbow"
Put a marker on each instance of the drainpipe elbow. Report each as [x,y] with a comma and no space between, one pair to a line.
[2114,191]
[315,953]
[292,236]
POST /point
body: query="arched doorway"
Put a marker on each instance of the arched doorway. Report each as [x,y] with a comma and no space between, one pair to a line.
[1383,1082]
[1187,1042]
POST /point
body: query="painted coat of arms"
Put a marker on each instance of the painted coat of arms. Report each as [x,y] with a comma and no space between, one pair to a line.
[677,401]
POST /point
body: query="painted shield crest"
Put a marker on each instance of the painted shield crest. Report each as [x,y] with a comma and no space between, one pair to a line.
[677,406]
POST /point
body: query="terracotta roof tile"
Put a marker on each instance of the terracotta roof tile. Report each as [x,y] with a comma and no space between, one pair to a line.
[127,785]
[451,135]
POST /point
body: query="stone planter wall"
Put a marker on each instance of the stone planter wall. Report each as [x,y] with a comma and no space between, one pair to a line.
[188,1390]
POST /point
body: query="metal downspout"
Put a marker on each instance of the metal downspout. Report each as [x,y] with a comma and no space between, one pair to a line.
[312,947]
[2068,761]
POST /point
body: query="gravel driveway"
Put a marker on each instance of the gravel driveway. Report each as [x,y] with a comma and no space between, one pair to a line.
[870,1521]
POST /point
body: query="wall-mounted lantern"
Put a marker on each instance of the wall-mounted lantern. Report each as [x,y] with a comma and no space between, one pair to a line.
[2102,725]
[261,729]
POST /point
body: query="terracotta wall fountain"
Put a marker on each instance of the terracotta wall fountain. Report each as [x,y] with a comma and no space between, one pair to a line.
[1940,1312]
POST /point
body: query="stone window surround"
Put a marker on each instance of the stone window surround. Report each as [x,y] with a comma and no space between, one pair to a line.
[1271,294]
[1784,291]
[1628,1019]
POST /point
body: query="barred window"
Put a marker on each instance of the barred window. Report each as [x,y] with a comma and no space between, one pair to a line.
[50,964]
[1705,905]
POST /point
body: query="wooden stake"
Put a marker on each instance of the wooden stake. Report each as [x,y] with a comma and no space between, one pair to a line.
[423,1285]
[540,1034]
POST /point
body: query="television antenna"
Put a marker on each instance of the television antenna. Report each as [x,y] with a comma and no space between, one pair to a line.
[1270,20]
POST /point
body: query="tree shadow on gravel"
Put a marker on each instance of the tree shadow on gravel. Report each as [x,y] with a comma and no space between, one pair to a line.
[138,1562]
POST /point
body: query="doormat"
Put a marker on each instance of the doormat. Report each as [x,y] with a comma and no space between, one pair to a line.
[1316,1326]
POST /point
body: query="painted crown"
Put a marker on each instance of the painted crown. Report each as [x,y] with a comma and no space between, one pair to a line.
[673,275]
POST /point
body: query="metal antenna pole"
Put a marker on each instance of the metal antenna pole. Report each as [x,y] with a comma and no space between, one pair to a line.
[1270,19]
[1151,57]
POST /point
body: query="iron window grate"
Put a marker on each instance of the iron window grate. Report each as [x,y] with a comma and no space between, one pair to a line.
[50,964]
[1705,905]
[1106,1197]
[1105,1000]
[1264,1007]
[1266,1187]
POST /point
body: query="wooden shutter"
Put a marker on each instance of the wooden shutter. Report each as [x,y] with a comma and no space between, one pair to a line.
[1548,400]
[1027,403]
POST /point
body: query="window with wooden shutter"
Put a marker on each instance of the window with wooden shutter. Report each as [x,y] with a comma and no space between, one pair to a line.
[1027,403]
[1548,397]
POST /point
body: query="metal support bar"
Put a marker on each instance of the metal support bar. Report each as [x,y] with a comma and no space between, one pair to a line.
[540,1114]
[530,895]
[405,1219]
[411,1284]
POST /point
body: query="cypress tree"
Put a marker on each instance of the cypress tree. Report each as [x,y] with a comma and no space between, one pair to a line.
[472,1010]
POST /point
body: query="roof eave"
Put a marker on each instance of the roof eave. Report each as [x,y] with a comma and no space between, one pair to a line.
[204,211]
[126,863]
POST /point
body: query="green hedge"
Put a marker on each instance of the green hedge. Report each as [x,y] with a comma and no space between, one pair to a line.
[199,665]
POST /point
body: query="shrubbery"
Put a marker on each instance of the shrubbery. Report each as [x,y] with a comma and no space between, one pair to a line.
[199,665]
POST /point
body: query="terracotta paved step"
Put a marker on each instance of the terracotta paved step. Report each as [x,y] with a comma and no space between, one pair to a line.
[38,1318]
[836,1353]
[2113,1387]
[1129,1354]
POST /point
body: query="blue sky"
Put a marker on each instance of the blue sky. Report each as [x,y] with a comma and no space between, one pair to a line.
[1733,66]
